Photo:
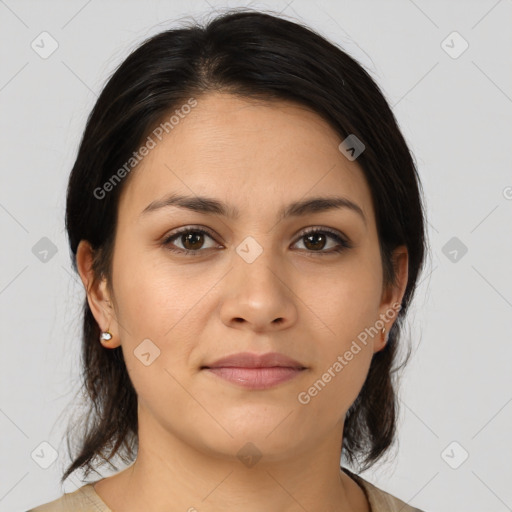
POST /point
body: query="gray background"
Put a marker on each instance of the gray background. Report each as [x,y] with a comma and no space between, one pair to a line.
[456,115]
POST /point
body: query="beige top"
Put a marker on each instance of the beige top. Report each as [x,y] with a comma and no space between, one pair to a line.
[85,499]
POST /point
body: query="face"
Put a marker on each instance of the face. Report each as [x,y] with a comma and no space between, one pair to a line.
[191,286]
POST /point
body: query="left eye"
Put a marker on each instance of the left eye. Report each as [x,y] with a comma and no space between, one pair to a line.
[316,237]
[192,241]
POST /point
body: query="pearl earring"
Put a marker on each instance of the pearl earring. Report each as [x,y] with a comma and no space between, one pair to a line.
[105,336]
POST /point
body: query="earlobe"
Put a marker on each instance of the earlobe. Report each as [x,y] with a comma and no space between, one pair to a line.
[97,294]
[393,294]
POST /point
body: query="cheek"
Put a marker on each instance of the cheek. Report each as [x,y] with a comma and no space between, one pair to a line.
[151,294]
[334,387]
[156,311]
[345,306]
[163,302]
[344,300]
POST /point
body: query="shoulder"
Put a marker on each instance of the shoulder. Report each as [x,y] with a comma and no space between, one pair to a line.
[83,499]
[381,501]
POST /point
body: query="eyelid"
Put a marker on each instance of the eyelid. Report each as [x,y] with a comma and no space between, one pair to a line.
[322,229]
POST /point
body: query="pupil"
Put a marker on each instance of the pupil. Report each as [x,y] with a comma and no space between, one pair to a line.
[192,238]
[316,245]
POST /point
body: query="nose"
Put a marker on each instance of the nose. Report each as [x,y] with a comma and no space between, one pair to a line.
[258,295]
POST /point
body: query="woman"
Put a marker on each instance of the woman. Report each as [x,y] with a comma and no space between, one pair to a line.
[247,222]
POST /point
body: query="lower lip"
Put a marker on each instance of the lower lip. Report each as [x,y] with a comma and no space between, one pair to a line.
[256,378]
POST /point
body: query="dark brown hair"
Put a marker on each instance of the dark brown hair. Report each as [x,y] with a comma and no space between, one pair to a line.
[254,55]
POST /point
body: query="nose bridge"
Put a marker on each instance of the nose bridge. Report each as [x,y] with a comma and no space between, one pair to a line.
[254,262]
[257,291]
[258,259]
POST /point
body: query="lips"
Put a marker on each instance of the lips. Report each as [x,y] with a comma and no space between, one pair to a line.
[255,371]
[248,360]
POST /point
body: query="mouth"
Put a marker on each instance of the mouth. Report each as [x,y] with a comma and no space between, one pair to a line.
[255,371]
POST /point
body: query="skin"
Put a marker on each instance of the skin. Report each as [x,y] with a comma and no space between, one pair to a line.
[257,157]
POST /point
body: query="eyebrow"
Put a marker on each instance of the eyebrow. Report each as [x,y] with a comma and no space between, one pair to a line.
[208,205]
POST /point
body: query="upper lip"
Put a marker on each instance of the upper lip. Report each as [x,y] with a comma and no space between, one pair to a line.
[249,360]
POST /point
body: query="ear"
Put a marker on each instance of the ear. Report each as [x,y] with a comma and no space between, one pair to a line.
[98,296]
[392,295]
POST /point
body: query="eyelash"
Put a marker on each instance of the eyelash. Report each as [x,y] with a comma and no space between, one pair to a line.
[343,244]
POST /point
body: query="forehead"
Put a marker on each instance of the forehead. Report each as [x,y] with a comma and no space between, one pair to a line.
[255,155]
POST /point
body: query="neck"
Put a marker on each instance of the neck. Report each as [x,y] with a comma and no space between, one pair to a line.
[181,477]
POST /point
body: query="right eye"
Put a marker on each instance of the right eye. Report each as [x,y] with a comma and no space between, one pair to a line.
[192,240]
